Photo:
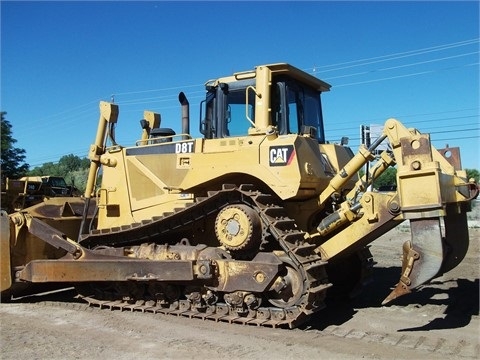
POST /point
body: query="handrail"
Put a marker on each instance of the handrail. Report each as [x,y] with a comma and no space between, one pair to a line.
[246,103]
[166,139]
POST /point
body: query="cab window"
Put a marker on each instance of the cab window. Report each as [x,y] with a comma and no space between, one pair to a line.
[303,110]
[236,123]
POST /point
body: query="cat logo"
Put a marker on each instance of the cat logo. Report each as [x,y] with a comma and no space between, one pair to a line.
[281,155]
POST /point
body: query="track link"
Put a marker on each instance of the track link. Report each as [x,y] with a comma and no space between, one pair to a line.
[276,224]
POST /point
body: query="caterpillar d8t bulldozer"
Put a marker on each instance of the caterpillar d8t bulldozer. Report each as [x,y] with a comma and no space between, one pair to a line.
[255,222]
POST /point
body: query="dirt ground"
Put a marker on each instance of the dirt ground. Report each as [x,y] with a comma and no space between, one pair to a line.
[439,321]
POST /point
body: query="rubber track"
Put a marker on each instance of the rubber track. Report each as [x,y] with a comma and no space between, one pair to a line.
[279,225]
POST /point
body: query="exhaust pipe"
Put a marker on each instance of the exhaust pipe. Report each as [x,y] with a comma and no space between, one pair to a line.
[185,113]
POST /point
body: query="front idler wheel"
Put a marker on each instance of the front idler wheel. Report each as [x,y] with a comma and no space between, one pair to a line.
[288,288]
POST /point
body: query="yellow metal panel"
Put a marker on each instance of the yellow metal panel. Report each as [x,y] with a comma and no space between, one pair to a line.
[5,268]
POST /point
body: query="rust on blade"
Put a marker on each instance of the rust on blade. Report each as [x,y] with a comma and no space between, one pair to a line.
[452,155]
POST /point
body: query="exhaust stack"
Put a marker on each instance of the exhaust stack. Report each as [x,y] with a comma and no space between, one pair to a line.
[185,113]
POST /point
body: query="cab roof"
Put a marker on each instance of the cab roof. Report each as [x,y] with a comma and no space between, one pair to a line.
[277,69]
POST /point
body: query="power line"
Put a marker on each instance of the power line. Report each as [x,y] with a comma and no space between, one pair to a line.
[417,122]
[458,138]
[394,56]
[406,116]
[156,90]
[432,140]
[403,66]
[73,116]
[405,75]
[450,131]
[173,98]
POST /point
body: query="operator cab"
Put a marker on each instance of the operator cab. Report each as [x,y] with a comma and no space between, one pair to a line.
[293,105]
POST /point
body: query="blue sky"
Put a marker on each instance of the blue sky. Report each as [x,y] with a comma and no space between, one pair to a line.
[417,61]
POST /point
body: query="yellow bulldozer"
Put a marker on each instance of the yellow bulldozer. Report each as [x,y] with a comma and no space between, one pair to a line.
[255,222]
[27,191]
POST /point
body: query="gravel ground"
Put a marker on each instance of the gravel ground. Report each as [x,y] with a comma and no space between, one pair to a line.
[439,321]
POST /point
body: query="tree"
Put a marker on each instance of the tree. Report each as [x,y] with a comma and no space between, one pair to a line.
[71,167]
[46,169]
[473,173]
[12,159]
[78,178]
[388,178]
[69,163]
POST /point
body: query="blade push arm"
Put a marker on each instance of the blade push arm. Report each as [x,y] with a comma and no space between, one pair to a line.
[108,115]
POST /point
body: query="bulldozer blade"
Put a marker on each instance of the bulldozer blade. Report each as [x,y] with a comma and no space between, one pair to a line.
[423,257]
[456,239]
[5,269]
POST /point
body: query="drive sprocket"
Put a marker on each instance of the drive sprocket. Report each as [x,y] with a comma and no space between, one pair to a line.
[238,227]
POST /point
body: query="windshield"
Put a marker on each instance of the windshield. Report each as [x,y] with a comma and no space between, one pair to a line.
[56,182]
[295,108]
